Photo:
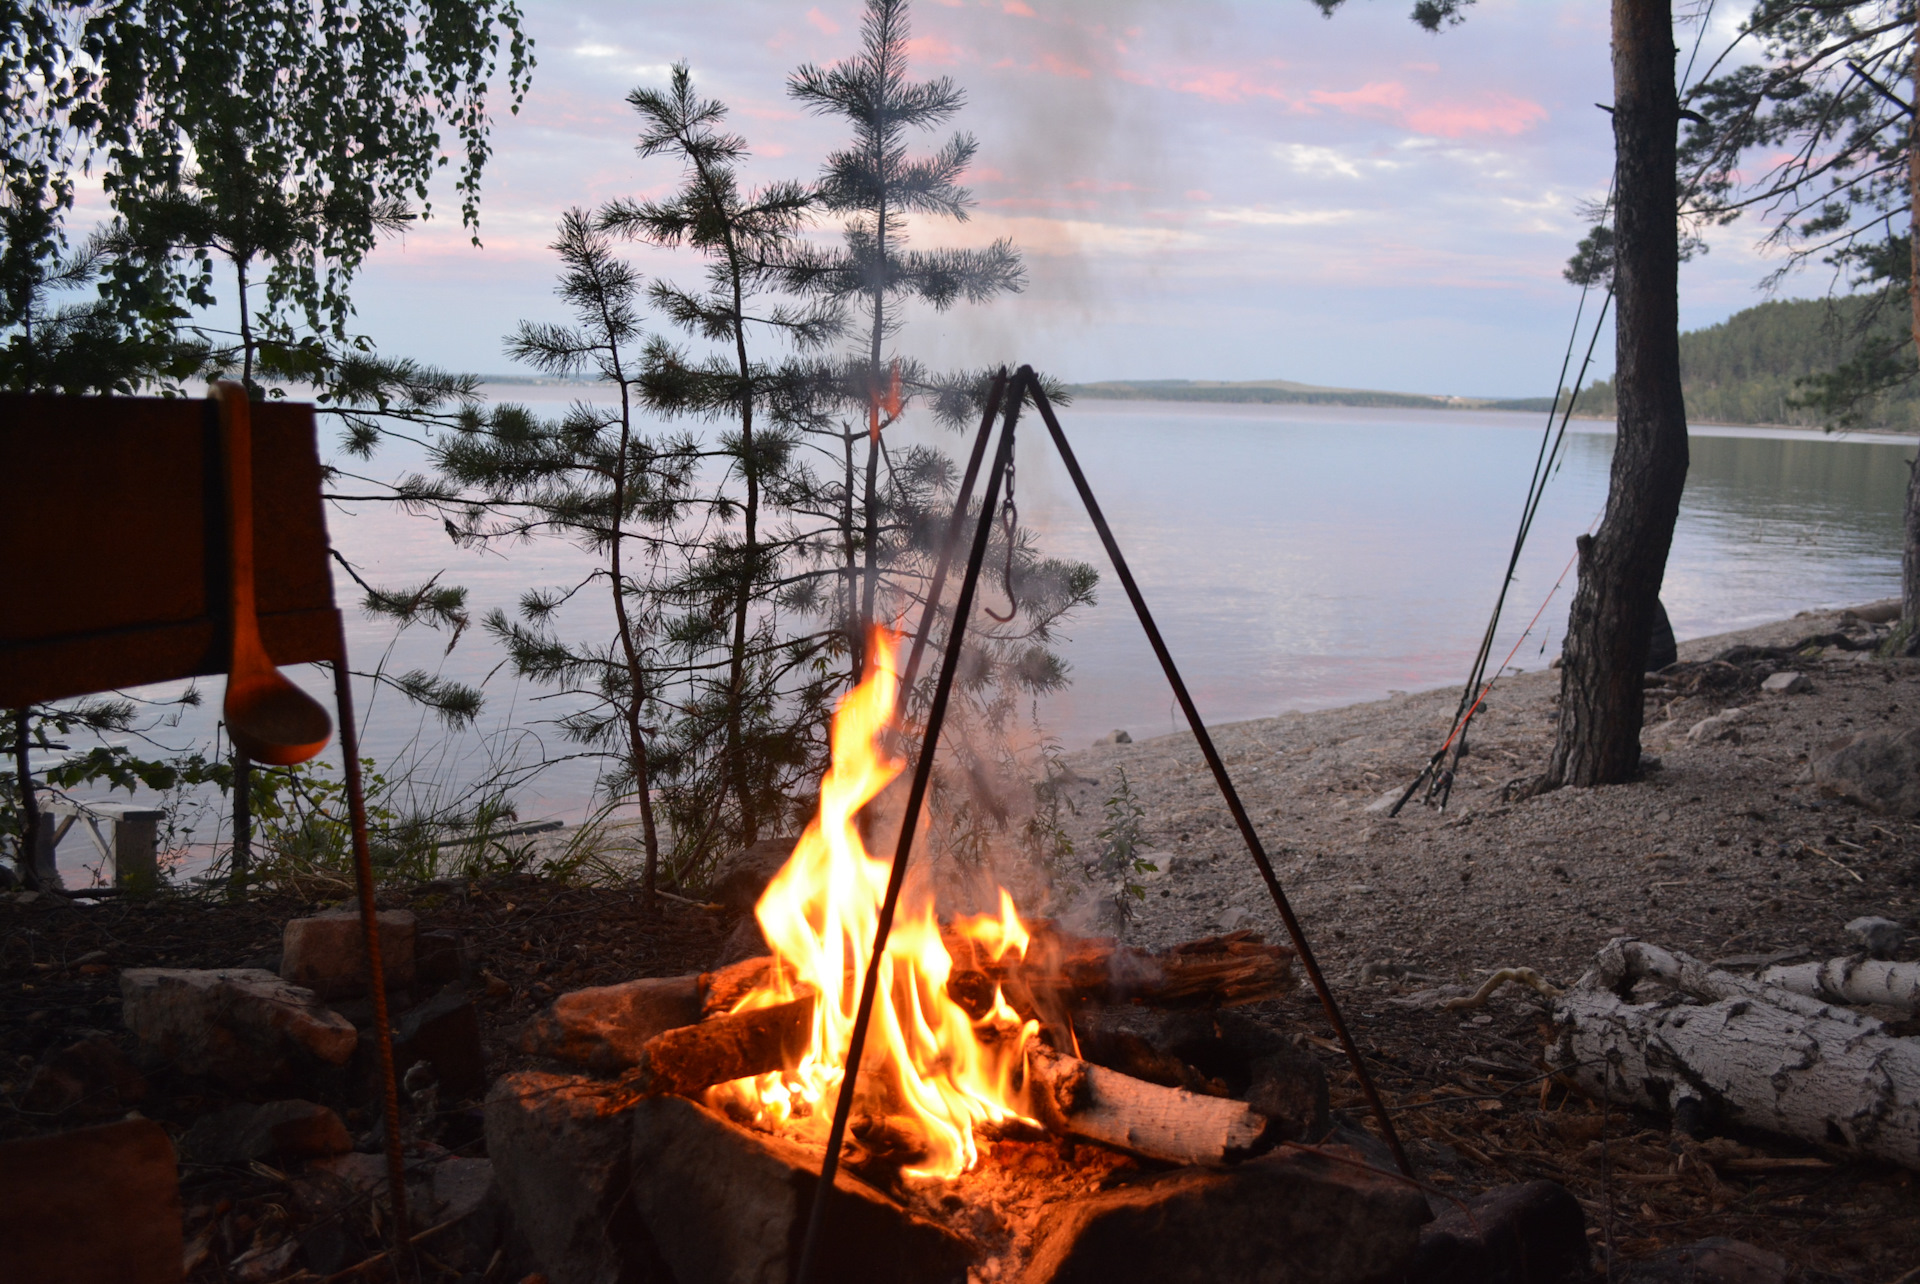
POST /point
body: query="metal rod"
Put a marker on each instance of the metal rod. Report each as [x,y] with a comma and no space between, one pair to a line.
[1220,776]
[955,524]
[903,849]
[376,971]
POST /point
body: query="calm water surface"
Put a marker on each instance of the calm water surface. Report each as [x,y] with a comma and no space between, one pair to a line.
[1295,557]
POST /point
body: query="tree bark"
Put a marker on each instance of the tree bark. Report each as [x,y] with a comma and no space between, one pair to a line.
[1907,639]
[1621,567]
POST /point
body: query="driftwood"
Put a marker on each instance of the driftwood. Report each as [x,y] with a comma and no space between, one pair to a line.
[1171,1124]
[1852,980]
[722,1048]
[1059,970]
[1756,1053]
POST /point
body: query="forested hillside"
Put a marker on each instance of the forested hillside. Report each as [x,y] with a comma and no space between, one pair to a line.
[1745,370]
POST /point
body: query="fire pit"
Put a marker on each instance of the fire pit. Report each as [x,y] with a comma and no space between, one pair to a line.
[1002,1126]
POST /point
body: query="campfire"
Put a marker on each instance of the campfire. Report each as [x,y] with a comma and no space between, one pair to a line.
[1000,1082]
[936,1069]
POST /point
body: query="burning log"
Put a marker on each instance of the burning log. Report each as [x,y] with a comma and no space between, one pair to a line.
[1171,1124]
[1058,970]
[722,1048]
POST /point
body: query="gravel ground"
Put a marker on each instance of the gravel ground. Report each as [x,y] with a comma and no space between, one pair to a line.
[1725,849]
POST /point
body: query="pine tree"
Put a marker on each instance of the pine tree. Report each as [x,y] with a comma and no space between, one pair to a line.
[589,477]
[726,588]
[876,183]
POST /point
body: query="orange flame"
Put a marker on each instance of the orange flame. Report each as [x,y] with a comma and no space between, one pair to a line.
[929,1067]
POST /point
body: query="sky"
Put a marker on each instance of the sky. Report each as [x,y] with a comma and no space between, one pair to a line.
[1202,189]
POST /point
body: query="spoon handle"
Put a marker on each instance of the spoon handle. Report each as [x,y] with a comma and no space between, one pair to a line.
[236,432]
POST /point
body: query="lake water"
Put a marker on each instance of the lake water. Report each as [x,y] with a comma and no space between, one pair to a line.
[1295,557]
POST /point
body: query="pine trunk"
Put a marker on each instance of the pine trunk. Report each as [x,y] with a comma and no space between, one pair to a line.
[1621,567]
[1908,637]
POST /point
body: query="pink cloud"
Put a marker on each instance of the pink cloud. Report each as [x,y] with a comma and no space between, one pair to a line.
[1061,67]
[1017,8]
[823,22]
[932,49]
[1490,114]
[1199,194]
[1486,113]
[1387,95]
[1224,85]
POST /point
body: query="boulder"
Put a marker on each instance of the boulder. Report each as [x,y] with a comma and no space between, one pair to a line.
[1529,1234]
[1880,936]
[328,953]
[604,1028]
[1878,769]
[242,1026]
[1292,1217]
[562,1155]
[606,1187]
[277,1130]
[92,1078]
[444,1032]
[460,1191]
[93,1206]
[739,878]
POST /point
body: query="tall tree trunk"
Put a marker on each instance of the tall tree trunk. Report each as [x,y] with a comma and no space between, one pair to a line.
[1622,566]
[1908,638]
[630,651]
[869,590]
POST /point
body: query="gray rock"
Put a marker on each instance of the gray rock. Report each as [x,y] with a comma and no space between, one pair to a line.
[562,1155]
[1293,1217]
[699,1183]
[438,958]
[608,1189]
[1529,1234]
[242,1026]
[739,878]
[1878,769]
[1881,936]
[92,1078]
[604,1028]
[1234,919]
[1721,726]
[462,1191]
[444,1032]
[1787,684]
[328,954]
[276,1130]
[91,1206]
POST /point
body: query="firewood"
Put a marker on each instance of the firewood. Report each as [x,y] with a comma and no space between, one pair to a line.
[1059,969]
[1170,1124]
[1852,980]
[1762,1055]
[726,1047]
[721,989]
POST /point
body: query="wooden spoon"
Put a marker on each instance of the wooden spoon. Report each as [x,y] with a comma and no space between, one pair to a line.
[270,719]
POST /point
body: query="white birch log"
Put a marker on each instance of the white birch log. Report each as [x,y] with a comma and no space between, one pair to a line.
[1761,1055]
[1852,980]
[1073,1096]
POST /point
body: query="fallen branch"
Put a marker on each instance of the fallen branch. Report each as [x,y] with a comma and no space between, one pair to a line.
[1505,976]
[1170,1124]
[1852,980]
[1756,1053]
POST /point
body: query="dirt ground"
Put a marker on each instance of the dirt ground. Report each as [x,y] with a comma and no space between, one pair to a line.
[1726,850]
